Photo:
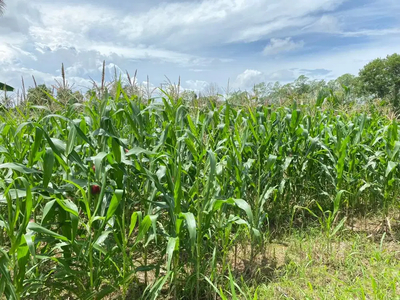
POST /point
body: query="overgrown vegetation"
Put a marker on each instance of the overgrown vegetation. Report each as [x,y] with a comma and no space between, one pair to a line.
[132,197]
[361,264]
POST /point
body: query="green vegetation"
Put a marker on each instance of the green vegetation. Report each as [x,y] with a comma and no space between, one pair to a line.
[361,264]
[129,197]
[381,77]
[5,87]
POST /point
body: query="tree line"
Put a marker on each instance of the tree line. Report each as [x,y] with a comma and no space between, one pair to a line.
[379,78]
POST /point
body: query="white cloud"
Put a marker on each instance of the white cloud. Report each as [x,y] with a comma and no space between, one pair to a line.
[202,40]
[325,24]
[248,79]
[177,26]
[282,45]
[339,61]
[372,32]
[257,32]
[196,85]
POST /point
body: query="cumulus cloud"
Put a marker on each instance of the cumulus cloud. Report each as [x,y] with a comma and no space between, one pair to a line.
[203,40]
[277,46]
[249,78]
[196,85]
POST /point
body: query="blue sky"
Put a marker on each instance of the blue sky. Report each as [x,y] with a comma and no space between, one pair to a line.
[203,41]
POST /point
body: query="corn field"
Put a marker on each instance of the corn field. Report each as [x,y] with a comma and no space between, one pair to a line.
[133,199]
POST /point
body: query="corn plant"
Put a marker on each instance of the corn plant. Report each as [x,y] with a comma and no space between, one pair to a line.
[150,198]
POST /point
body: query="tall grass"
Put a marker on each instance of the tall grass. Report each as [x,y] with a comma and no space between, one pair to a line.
[117,196]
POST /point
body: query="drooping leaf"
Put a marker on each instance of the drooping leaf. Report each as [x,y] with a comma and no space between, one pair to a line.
[246,207]
[39,229]
[5,87]
[19,168]
[137,150]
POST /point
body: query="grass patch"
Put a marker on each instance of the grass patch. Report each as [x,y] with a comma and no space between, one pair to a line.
[351,266]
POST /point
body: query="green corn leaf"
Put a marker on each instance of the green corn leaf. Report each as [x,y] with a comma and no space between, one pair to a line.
[336,203]
[338,226]
[211,175]
[22,257]
[340,165]
[178,190]
[71,140]
[395,150]
[36,145]
[192,148]
[59,145]
[82,134]
[97,162]
[170,250]
[143,228]
[246,208]
[390,167]
[191,125]
[39,229]
[134,218]
[102,238]
[364,187]
[115,201]
[287,162]
[3,150]
[84,198]
[191,224]
[5,87]
[137,150]
[19,168]
[74,157]
[116,150]
[48,167]
[48,211]
[68,206]
[270,162]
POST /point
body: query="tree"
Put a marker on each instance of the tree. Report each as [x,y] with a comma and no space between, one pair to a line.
[374,78]
[260,90]
[301,85]
[393,70]
[381,77]
[347,80]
